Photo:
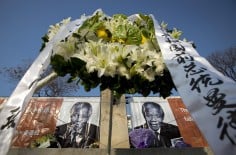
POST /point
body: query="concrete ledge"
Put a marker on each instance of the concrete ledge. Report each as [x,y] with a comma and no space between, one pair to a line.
[74,151]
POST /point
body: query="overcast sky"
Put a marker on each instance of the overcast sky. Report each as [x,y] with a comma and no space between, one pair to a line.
[210,24]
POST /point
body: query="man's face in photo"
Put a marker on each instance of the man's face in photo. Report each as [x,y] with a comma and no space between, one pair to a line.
[153,118]
[79,118]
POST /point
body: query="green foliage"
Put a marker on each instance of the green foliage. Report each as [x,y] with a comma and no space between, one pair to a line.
[118,84]
[118,29]
[41,140]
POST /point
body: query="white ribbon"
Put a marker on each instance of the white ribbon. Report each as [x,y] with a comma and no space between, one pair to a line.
[208,95]
[19,99]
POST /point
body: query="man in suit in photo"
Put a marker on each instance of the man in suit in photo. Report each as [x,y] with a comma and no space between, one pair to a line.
[78,133]
[164,132]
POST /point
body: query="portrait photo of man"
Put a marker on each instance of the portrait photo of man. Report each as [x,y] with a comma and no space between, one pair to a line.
[78,133]
[148,114]
[164,132]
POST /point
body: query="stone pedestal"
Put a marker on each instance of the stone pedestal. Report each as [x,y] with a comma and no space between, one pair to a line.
[119,127]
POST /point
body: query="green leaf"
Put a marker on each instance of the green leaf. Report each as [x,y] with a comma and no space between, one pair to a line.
[76,62]
[59,65]
[45,40]
[146,33]
[90,22]
[134,36]
[120,33]
[115,16]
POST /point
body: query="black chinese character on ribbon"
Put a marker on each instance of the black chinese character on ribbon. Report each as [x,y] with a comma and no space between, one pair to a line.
[204,79]
[232,118]
[182,57]
[216,100]
[224,131]
[176,47]
[11,119]
[191,69]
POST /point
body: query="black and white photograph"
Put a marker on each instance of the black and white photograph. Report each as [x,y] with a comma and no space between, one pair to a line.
[154,114]
[78,123]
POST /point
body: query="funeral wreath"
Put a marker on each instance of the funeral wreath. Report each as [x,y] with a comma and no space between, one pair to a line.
[119,52]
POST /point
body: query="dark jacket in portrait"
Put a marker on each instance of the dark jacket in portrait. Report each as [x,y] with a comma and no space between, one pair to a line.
[65,139]
[167,132]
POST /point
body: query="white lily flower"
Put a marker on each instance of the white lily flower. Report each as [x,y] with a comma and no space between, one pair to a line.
[65,49]
[98,58]
[137,68]
[148,45]
[123,71]
[101,71]
[149,74]
[159,64]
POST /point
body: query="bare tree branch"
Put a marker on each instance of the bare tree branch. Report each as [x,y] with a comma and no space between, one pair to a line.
[225,62]
[49,85]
